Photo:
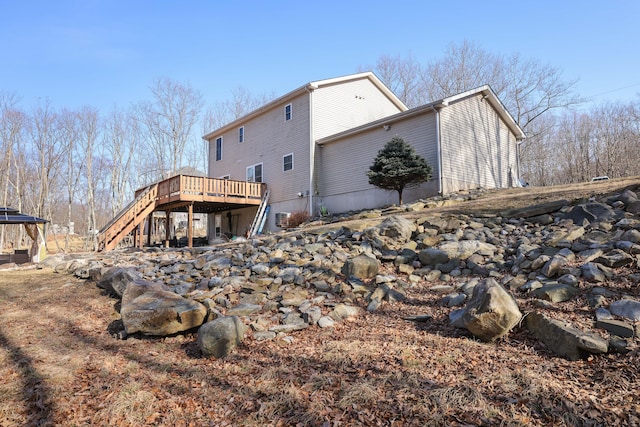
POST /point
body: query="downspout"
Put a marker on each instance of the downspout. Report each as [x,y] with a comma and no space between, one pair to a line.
[438,149]
[519,142]
[312,150]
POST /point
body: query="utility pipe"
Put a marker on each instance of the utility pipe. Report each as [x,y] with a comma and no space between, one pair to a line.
[438,149]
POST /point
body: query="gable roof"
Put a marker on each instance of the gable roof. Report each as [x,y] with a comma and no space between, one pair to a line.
[309,87]
[493,99]
[485,90]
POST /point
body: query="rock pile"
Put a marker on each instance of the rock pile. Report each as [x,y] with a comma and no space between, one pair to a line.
[490,268]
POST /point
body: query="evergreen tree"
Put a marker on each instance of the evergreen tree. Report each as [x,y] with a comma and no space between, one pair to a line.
[397,166]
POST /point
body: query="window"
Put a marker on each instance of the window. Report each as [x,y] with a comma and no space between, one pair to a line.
[287,162]
[254,173]
[287,112]
[241,134]
[219,148]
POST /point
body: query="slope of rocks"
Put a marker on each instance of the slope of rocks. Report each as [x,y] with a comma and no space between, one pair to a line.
[567,272]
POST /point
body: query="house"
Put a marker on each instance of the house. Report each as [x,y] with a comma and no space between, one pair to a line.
[314,145]
[469,140]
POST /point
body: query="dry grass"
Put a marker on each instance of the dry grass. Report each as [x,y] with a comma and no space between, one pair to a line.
[59,366]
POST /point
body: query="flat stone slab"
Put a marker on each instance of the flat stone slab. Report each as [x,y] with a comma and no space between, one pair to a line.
[535,210]
[563,339]
[557,292]
[243,310]
[616,327]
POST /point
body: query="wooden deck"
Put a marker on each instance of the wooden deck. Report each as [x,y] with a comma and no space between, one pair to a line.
[180,193]
[183,189]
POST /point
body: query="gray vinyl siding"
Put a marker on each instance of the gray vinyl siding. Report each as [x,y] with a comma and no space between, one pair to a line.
[343,106]
[478,149]
[343,184]
[267,138]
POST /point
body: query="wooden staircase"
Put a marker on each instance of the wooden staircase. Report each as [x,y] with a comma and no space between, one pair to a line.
[128,219]
[184,192]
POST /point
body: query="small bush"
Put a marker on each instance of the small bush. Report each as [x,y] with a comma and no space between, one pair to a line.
[296,218]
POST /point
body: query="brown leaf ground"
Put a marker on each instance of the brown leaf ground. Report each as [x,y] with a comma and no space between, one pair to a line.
[59,365]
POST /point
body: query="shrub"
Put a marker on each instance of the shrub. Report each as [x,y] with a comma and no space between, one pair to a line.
[296,218]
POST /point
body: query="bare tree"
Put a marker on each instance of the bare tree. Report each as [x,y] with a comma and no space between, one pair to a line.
[167,122]
[120,139]
[46,143]
[528,88]
[403,77]
[89,129]
[242,102]
[70,135]
[576,133]
[11,126]
[12,121]
[462,68]
[538,153]
[532,89]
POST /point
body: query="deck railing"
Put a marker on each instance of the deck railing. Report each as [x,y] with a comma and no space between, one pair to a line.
[203,189]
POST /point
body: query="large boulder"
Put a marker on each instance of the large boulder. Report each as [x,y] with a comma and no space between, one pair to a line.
[433,256]
[554,266]
[615,258]
[363,267]
[490,313]
[116,279]
[568,234]
[158,312]
[628,197]
[626,308]
[442,224]
[463,249]
[52,261]
[555,292]
[397,228]
[138,287]
[344,312]
[634,208]
[563,339]
[221,336]
[591,212]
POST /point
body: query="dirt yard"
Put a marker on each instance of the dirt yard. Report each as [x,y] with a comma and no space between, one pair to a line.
[60,365]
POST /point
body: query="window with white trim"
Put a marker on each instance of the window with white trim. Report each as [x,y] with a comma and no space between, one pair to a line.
[287,162]
[241,134]
[219,148]
[288,112]
[254,173]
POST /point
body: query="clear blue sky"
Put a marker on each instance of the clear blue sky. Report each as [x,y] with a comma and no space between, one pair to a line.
[107,52]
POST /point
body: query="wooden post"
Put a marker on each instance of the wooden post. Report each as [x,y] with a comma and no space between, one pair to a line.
[190,226]
[167,228]
[150,219]
[139,233]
